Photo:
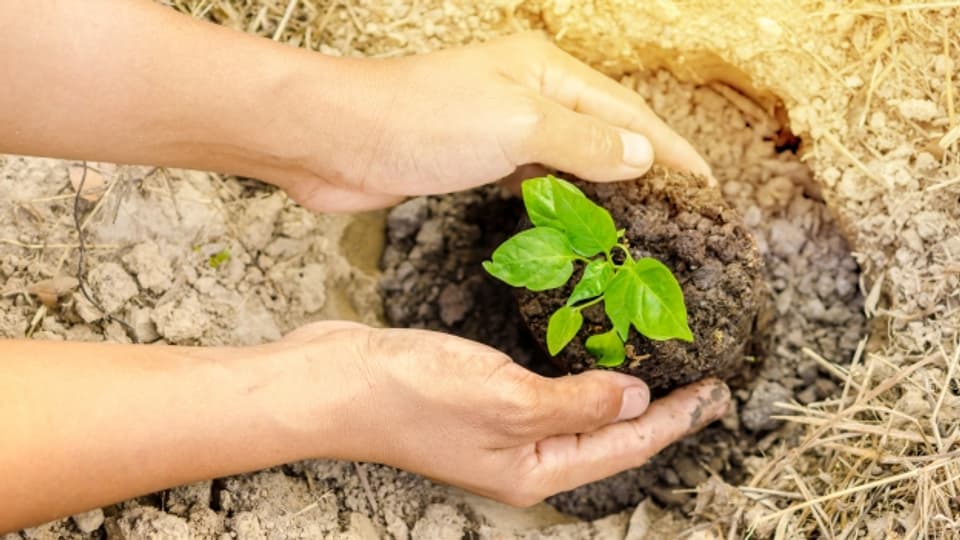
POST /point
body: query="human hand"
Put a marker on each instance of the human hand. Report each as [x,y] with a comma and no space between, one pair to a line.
[465,414]
[460,118]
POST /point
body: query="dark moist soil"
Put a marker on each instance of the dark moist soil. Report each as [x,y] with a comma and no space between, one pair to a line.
[677,219]
[433,280]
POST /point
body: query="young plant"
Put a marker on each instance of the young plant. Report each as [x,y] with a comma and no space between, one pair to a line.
[570,228]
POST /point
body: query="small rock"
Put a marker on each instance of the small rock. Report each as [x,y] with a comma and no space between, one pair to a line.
[180,499]
[147,522]
[87,312]
[786,239]
[360,528]
[182,321]
[689,471]
[405,219]
[922,110]
[246,526]
[143,326]
[757,411]
[808,395]
[430,237]
[826,285]
[440,522]
[454,302]
[112,286]
[151,268]
[258,217]
[90,521]
[808,371]
[669,476]
[776,193]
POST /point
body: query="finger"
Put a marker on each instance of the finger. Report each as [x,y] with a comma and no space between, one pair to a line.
[578,86]
[584,403]
[573,460]
[586,146]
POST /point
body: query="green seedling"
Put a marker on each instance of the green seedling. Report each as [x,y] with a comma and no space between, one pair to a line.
[219,258]
[571,229]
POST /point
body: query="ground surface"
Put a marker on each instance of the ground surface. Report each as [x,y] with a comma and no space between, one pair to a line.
[871,88]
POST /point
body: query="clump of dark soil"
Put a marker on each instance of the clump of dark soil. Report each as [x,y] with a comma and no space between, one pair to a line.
[677,219]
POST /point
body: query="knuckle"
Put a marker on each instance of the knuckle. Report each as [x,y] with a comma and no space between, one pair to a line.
[602,141]
[532,117]
[605,404]
[521,406]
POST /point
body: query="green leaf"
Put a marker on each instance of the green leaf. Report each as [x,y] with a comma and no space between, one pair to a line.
[607,348]
[663,314]
[219,259]
[596,277]
[558,204]
[538,259]
[647,295]
[621,301]
[563,327]
[540,198]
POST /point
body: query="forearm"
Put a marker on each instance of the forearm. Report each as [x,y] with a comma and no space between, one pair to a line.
[90,424]
[130,81]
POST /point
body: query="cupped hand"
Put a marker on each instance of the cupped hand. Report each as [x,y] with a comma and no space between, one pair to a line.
[460,118]
[465,414]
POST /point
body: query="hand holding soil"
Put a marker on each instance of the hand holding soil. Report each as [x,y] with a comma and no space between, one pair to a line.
[466,414]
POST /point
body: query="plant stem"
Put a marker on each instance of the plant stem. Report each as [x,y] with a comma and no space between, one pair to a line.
[595,301]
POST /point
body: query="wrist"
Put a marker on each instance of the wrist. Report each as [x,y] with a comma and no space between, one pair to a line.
[310,109]
[296,395]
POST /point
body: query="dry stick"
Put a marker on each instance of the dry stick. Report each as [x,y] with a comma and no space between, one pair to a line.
[772,492]
[818,513]
[81,261]
[894,51]
[874,81]
[946,183]
[882,9]
[56,246]
[818,433]
[291,5]
[365,482]
[951,112]
[850,491]
[735,524]
[830,138]
[943,393]
[866,429]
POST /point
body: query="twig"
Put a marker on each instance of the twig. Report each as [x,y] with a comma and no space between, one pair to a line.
[849,491]
[56,246]
[365,482]
[285,20]
[82,260]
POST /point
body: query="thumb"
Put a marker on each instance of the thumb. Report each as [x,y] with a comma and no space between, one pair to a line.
[583,145]
[586,402]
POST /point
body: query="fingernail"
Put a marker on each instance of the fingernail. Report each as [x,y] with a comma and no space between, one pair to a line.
[634,403]
[637,151]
